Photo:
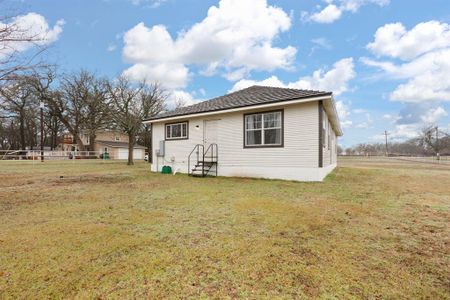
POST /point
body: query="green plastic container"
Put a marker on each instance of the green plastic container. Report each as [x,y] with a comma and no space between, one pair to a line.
[166,170]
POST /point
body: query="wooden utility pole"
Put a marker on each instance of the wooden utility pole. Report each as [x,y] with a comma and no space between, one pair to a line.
[386,140]
[437,143]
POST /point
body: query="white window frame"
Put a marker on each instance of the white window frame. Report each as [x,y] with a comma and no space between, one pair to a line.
[168,134]
[262,129]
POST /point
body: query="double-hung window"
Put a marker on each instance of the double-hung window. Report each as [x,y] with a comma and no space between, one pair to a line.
[177,131]
[263,129]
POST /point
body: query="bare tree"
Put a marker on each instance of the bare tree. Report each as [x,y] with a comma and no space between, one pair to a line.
[53,127]
[12,38]
[80,104]
[16,99]
[85,97]
[57,104]
[3,133]
[179,103]
[132,104]
[154,99]
[429,138]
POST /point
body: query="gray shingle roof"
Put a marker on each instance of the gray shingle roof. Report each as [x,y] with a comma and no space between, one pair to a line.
[254,95]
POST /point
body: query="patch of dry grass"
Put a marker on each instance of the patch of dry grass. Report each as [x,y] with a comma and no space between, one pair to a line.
[373,229]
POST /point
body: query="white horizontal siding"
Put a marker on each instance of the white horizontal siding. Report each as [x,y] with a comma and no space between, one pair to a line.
[299,153]
[177,149]
[300,141]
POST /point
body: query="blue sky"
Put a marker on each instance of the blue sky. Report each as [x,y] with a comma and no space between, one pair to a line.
[388,62]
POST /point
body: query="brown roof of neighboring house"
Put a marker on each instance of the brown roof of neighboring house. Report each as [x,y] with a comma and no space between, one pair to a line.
[254,95]
[115,144]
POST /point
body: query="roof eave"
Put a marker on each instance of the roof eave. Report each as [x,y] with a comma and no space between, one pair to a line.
[335,117]
[241,108]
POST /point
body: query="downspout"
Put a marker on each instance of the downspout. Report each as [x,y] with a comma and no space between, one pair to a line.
[320,134]
[150,152]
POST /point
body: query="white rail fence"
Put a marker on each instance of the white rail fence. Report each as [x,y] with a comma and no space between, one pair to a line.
[53,155]
[423,159]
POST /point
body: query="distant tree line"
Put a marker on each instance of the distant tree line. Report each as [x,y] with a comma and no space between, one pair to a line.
[430,141]
[75,103]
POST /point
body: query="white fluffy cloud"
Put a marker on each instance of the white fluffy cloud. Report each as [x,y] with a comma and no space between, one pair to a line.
[408,123]
[235,38]
[335,79]
[343,111]
[433,115]
[367,123]
[425,51]
[177,98]
[395,41]
[432,85]
[245,83]
[391,117]
[335,8]
[31,25]
[400,132]
[354,5]
[404,131]
[170,75]
[329,14]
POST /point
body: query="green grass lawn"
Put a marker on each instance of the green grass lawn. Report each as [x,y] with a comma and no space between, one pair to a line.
[372,229]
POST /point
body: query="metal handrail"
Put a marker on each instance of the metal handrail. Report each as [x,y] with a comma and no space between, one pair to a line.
[212,147]
[196,147]
[214,156]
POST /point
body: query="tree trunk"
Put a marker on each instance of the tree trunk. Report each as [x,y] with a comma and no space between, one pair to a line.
[130,148]
[22,131]
[72,129]
[92,138]
[79,143]
[54,122]
[78,139]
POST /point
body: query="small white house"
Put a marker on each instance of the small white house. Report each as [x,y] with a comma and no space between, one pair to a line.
[259,131]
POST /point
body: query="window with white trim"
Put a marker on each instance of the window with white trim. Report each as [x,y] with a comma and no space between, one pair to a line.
[263,129]
[177,131]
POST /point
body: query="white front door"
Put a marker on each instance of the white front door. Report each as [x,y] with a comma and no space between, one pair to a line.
[210,132]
